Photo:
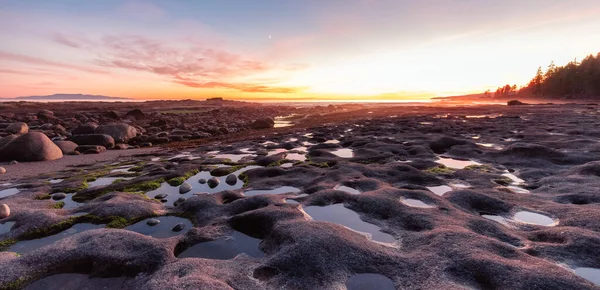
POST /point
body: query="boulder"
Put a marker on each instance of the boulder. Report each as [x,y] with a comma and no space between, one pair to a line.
[137,114]
[2,170]
[67,147]
[17,128]
[90,149]
[119,131]
[4,211]
[87,128]
[515,103]
[7,139]
[185,188]
[213,182]
[59,196]
[231,179]
[34,146]
[264,123]
[94,139]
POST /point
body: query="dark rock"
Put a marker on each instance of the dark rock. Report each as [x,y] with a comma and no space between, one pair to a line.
[34,146]
[94,139]
[90,149]
[515,103]
[87,128]
[213,182]
[178,227]
[59,196]
[185,188]
[119,131]
[231,179]
[160,196]
[137,114]
[265,123]
[67,147]
[153,222]
[17,128]
[7,139]
[202,181]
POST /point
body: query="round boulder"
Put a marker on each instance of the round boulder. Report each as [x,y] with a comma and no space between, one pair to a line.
[34,146]
[2,170]
[153,222]
[87,128]
[265,123]
[119,131]
[4,211]
[7,139]
[59,196]
[17,128]
[67,147]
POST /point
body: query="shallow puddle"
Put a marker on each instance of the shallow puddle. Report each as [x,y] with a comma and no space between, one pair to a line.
[233,157]
[286,165]
[105,181]
[334,141]
[30,245]
[495,218]
[278,190]
[590,274]
[534,218]
[456,163]
[341,215]
[369,281]
[122,169]
[276,151]
[291,201]
[514,178]
[173,191]
[491,145]
[164,229]
[8,192]
[247,150]
[5,227]
[347,189]
[440,190]
[55,181]
[344,153]
[416,203]
[69,202]
[225,248]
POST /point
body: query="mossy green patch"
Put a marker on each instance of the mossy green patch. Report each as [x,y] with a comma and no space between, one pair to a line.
[321,165]
[43,197]
[117,223]
[177,181]
[144,186]
[137,168]
[245,178]
[479,167]
[223,171]
[505,181]
[440,169]
[20,283]
[59,205]
[279,163]
[82,186]
[4,244]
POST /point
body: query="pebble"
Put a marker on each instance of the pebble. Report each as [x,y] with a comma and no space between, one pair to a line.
[59,196]
[202,181]
[153,222]
[231,179]
[213,182]
[185,188]
[2,170]
[178,227]
[161,196]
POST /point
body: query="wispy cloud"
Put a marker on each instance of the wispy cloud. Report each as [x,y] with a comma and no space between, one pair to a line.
[14,57]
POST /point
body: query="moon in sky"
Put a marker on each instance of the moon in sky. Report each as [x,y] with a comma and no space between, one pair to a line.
[269,36]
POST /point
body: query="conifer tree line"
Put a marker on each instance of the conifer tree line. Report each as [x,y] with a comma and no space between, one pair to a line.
[573,80]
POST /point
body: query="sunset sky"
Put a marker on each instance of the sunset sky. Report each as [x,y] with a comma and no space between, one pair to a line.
[286,49]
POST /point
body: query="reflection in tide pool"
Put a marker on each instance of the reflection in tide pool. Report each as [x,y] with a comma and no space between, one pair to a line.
[456,163]
[233,157]
[369,281]
[30,245]
[416,203]
[440,190]
[344,153]
[590,274]
[5,227]
[8,192]
[164,229]
[341,215]
[534,218]
[278,190]
[347,189]
[225,248]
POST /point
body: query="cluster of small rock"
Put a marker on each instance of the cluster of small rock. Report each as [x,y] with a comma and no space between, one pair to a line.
[48,136]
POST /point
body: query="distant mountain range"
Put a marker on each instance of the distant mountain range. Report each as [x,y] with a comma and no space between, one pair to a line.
[71,97]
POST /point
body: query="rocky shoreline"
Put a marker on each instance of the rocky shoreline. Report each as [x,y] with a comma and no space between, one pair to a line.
[490,197]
